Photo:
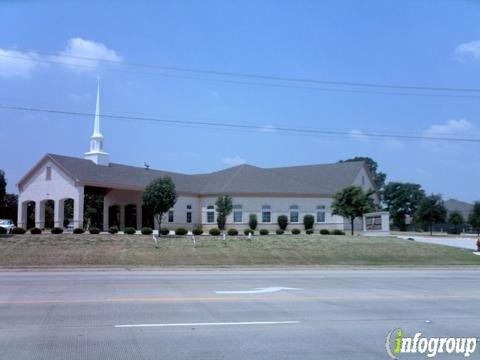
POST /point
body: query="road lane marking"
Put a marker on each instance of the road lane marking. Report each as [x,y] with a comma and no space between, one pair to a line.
[210,324]
[259,290]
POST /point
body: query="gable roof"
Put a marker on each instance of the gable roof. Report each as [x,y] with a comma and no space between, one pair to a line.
[242,179]
[457,205]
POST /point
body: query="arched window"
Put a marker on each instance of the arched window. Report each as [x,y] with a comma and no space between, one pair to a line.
[237,214]
[170,216]
[320,213]
[189,213]
[294,214]
[210,214]
[266,214]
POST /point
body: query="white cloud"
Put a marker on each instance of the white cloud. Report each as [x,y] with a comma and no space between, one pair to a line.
[17,63]
[79,53]
[451,128]
[233,161]
[359,135]
[468,50]
[268,128]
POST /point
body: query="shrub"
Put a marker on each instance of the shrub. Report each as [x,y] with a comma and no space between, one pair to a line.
[18,231]
[309,231]
[248,231]
[337,232]
[252,221]
[35,231]
[197,231]
[78,231]
[264,232]
[57,230]
[282,221]
[130,231]
[232,232]
[3,231]
[147,231]
[94,231]
[325,232]
[181,231]
[113,230]
[279,231]
[164,231]
[296,231]
[308,221]
[214,231]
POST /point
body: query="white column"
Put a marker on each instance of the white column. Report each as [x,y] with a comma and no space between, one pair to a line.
[78,208]
[139,216]
[40,214]
[122,217]
[22,214]
[58,213]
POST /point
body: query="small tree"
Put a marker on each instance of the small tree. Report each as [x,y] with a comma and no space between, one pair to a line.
[431,211]
[282,221]
[308,221]
[352,202]
[252,221]
[159,197]
[474,217]
[456,220]
[224,205]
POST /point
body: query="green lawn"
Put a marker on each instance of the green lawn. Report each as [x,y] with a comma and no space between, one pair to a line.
[138,250]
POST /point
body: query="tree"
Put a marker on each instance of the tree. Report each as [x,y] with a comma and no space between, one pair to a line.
[474,217]
[456,220]
[9,208]
[431,210]
[3,187]
[352,202]
[252,221]
[93,214]
[282,221]
[224,205]
[308,221]
[159,197]
[377,176]
[401,200]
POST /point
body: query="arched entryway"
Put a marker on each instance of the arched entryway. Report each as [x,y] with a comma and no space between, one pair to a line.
[28,209]
[48,211]
[147,218]
[114,216]
[131,216]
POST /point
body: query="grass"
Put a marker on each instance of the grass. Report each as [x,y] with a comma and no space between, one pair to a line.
[139,250]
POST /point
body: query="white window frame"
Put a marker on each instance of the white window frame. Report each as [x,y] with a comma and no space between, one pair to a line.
[48,175]
[210,210]
[238,209]
[293,209]
[267,209]
[321,209]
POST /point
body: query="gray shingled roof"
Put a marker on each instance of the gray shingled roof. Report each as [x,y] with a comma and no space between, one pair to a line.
[243,179]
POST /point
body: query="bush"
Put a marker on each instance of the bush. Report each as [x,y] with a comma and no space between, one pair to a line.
[181,231]
[78,231]
[264,232]
[18,231]
[282,221]
[252,221]
[309,231]
[214,231]
[35,231]
[3,231]
[296,231]
[325,232]
[113,230]
[248,231]
[147,231]
[308,221]
[337,232]
[130,231]
[197,231]
[279,231]
[232,232]
[94,231]
[164,231]
[57,230]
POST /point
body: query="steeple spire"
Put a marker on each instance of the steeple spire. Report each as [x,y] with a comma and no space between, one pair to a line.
[96,153]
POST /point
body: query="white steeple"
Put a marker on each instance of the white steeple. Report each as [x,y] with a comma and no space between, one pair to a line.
[96,153]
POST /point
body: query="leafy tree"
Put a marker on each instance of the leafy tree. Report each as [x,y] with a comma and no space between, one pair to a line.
[378,177]
[252,221]
[308,221]
[401,200]
[352,202]
[3,187]
[159,197]
[474,217]
[9,208]
[431,210]
[456,220]
[224,205]
[282,221]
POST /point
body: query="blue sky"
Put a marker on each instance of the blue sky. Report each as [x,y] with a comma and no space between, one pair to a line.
[433,43]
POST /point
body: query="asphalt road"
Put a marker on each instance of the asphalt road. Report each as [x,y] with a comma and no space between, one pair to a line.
[178,314]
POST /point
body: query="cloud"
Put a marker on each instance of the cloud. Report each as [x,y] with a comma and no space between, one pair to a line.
[451,128]
[17,63]
[359,135]
[468,50]
[268,128]
[233,161]
[85,55]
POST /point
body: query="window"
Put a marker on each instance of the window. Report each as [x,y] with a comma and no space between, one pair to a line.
[170,216]
[237,214]
[49,173]
[320,213]
[294,214]
[266,214]
[189,213]
[210,214]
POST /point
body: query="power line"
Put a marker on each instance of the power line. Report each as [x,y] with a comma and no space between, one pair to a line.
[258,128]
[242,75]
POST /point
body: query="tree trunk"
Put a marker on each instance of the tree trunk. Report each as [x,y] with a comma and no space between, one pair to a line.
[159,221]
[431,229]
[352,220]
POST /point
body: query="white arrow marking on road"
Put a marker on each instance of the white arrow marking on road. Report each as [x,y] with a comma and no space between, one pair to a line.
[259,290]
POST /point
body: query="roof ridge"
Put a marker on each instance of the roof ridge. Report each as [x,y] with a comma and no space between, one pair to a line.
[240,168]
